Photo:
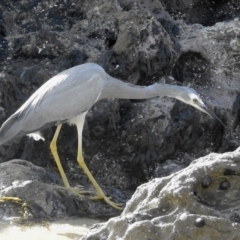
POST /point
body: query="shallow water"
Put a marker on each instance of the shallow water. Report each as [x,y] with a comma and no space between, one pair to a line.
[65,229]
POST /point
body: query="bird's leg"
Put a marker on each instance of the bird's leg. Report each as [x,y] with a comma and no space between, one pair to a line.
[11,199]
[53,147]
[82,164]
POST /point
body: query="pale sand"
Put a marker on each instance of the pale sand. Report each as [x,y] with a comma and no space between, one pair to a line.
[66,229]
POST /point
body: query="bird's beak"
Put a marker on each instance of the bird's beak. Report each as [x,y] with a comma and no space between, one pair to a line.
[204,108]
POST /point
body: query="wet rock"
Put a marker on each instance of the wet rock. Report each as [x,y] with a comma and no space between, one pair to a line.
[206,181]
[211,71]
[43,195]
[63,229]
[224,185]
[45,38]
[179,207]
[206,13]
[199,222]
[126,143]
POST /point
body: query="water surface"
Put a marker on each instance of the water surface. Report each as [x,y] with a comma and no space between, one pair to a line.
[65,229]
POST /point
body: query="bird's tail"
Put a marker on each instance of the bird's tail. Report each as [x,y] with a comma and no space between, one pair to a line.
[10,129]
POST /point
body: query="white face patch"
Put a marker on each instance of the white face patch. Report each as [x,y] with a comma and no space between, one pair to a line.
[195,99]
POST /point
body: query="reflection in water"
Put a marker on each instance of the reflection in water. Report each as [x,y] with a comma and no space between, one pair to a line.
[65,229]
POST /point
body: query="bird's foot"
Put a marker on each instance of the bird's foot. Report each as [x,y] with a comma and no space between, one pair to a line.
[79,192]
[118,206]
[99,197]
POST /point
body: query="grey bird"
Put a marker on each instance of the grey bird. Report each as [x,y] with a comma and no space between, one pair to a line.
[68,96]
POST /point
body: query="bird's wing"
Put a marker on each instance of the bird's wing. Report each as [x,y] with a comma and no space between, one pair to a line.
[61,98]
[64,96]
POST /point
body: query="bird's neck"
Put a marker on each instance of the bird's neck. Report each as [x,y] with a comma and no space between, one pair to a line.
[115,88]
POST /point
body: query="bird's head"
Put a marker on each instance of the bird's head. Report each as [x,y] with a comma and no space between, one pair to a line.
[191,97]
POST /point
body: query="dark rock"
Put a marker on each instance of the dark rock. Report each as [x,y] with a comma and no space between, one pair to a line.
[199,222]
[126,143]
[224,185]
[206,181]
[4,48]
[235,217]
[44,195]
[204,12]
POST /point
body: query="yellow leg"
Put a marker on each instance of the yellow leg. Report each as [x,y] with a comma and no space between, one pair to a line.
[100,192]
[53,147]
[12,199]
[101,195]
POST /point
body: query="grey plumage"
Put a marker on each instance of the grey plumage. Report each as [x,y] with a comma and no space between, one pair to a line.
[69,95]
[61,98]
[74,91]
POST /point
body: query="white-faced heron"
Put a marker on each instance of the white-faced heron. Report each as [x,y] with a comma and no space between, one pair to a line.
[68,96]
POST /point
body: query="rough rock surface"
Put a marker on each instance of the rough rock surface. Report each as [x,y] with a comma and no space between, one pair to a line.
[43,195]
[126,143]
[200,202]
[204,12]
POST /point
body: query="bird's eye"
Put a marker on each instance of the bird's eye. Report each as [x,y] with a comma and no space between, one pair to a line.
[195,100]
